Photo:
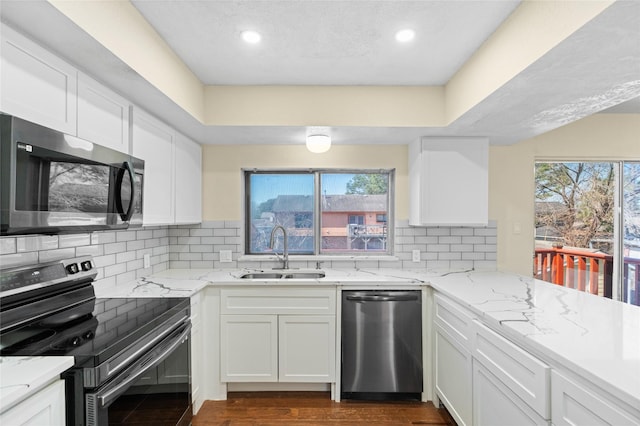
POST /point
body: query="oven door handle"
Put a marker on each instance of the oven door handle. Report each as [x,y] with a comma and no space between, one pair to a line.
[158,354]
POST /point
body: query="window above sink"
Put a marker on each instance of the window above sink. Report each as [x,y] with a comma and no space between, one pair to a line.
[324,211]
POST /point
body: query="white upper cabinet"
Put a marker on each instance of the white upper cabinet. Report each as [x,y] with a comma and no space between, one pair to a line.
[449,181]
[188,164]
[153,142]
[36,85]
[103,116]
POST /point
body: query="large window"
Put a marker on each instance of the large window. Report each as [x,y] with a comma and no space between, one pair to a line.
[322,211]
[587,218]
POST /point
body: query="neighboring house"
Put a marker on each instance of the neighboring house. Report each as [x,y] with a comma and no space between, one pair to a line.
[354,222]
[349,222]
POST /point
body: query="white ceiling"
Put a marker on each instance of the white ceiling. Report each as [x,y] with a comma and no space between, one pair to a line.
[351,42]
[310,42]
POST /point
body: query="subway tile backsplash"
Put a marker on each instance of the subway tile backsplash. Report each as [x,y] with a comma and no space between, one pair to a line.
[119,254]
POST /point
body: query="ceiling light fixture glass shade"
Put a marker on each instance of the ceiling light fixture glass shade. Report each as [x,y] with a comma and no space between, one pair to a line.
[318,139]
[404,36]
[252,37]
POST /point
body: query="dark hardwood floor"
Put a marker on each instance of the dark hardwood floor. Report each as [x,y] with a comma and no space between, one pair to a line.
[314,408]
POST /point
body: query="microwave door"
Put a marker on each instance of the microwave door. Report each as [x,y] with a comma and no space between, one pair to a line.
[58,190]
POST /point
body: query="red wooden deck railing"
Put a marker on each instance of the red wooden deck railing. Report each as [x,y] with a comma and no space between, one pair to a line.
[575,268]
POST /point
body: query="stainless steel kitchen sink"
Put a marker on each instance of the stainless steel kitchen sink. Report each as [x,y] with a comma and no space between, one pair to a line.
[283,275]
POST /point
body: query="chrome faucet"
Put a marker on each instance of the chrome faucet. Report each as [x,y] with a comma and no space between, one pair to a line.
[285,251]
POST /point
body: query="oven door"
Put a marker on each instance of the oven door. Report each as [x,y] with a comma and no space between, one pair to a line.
[155,390]
[52,182]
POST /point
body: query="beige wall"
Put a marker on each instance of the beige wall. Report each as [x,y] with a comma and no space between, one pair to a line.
[511,177]
[222,164]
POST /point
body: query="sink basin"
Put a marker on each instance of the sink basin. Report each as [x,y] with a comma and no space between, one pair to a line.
[261,275]
[283,275]
[303,275]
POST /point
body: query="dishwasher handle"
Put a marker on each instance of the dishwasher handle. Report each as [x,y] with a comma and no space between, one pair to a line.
[383,298]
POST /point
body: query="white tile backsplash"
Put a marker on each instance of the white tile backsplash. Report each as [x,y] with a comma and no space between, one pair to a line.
[118,254]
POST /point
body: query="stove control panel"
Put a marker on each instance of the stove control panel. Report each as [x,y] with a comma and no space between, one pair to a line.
[23,278]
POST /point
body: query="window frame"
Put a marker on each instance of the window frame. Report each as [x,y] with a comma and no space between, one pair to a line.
[317,211]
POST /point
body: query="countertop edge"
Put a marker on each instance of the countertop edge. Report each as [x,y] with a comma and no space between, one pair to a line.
[27,375]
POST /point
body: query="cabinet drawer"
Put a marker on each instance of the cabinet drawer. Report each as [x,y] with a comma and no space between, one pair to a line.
[522,373]
[573,404]
[454,320]
[278,301]
[495,404]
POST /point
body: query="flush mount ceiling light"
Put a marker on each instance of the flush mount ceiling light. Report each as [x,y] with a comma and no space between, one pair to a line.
[318,139]
[405,36]
[251,37]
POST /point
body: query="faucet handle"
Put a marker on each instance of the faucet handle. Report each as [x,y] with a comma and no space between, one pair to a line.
[318,263]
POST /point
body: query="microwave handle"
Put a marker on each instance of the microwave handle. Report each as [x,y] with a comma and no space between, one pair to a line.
[127,168]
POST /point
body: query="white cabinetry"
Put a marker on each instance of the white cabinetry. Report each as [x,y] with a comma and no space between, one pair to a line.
[188,174]
[453,360]
[496,405]
[481,377]
[278,335]
[35,84]
[514,369]
[449,181]
[172,172]
[153,141]
[576,404]
[197,352]
[45,407]
[103,116]
[249,345]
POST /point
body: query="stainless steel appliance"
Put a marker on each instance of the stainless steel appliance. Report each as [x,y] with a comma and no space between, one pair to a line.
[119,344]
[52,182]
[381,344]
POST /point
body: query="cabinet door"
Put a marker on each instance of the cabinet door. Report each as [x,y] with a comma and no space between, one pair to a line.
[449,181]
[153,142]
[573,404]
[103,116]
[306,348]
[453,375]
[494,404]
[188,165]
[35,84]
[249,348]
[46,407]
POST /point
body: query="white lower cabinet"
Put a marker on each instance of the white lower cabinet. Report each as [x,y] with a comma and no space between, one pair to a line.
[249,345]
[45,407]
[278,335]
[306,348]
[496,405]
[576,404]
[453,377]
[453,362]
[278,348]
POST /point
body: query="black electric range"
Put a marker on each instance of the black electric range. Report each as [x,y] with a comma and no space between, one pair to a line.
[51,310]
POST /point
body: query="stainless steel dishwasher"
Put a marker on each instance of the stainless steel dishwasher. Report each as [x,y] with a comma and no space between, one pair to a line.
[381,344]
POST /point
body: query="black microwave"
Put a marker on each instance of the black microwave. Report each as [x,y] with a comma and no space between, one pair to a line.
[54,183]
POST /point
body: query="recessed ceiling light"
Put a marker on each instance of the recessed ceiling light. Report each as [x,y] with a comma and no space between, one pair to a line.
[252,37]
[404,36]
